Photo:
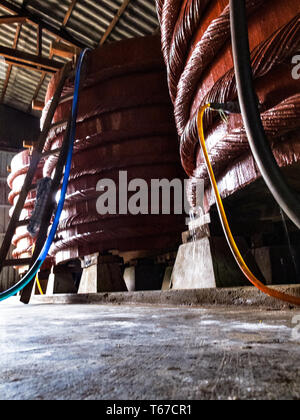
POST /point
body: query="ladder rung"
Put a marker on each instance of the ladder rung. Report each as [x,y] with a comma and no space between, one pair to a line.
[32,187]
[66,98]
[17,263]
[21,223]
[51,152]
[58,124]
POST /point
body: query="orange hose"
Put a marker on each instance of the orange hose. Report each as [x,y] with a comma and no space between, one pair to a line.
[233,246]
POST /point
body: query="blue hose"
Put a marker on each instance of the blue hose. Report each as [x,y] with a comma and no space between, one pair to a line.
[43,255]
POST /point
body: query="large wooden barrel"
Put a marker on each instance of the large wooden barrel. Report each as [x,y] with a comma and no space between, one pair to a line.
[197,50]
[125,123]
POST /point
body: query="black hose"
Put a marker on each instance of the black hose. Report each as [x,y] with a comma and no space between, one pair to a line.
[286,198]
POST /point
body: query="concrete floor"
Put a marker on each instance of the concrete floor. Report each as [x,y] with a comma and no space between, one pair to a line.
[143,353]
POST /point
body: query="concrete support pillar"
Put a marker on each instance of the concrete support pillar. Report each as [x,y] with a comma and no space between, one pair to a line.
[63,279]
[51,283]
[102,274]
[207,262]
[129,278]
[167,281]
[150,273]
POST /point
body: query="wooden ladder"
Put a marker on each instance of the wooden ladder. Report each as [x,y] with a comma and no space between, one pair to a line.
[28,186]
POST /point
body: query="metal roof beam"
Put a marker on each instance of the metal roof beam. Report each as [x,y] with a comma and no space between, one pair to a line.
[21,58]
[9,69]
[38,105]
[69,12]
[9,19]
[115,21]
[61,33]
[43,75]
[63,50]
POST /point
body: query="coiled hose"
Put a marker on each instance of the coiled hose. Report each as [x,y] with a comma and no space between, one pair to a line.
[225,224]
[30,275]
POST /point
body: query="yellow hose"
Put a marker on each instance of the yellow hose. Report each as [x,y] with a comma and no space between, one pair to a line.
[233,246]
[39,284]
[37,277]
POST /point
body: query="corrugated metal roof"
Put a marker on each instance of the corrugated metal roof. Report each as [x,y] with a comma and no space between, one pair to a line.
[87,24]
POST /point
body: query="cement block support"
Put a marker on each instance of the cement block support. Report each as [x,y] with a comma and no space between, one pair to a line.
[102,274]
[194,267]
[207,263]
[155,275]
[129,278]
[167,279]
[63,279]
